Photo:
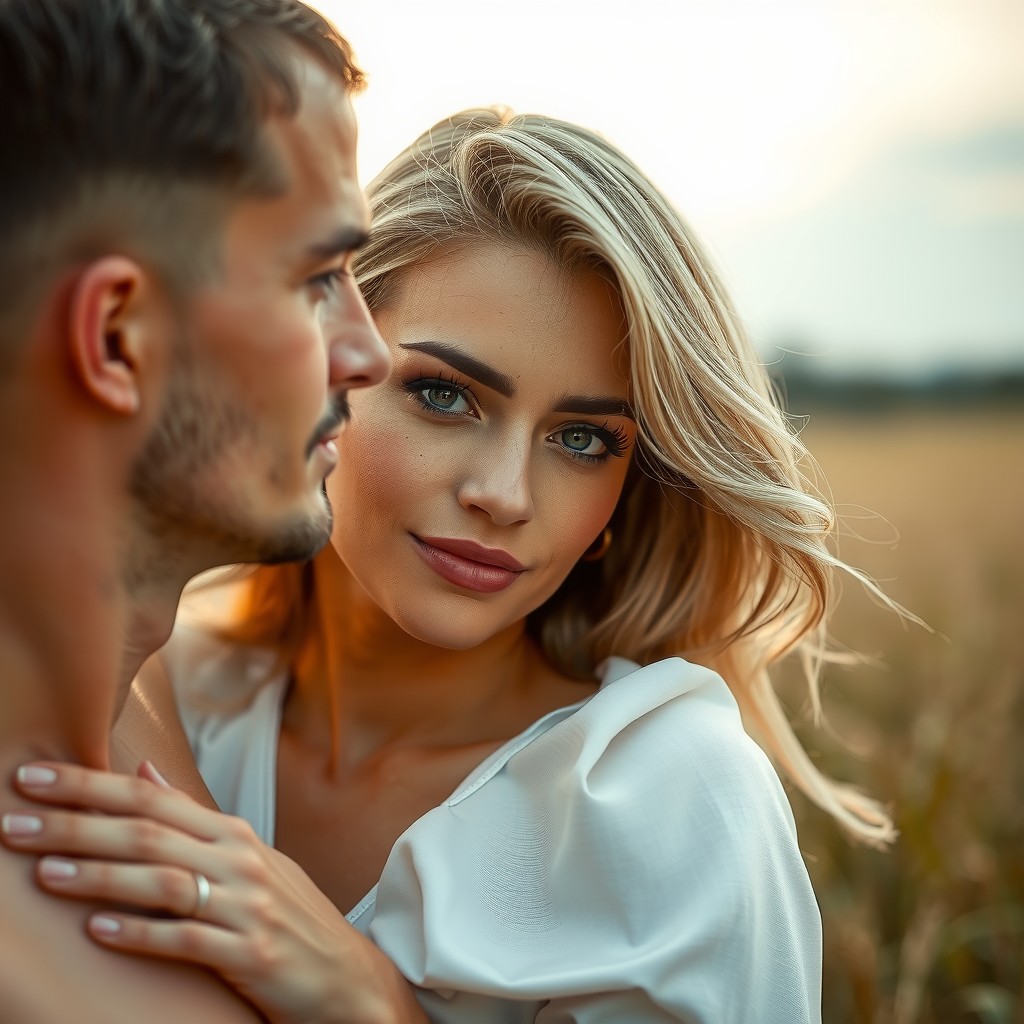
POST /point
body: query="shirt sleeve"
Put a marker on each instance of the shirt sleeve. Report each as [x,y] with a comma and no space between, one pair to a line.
[702,907]
[638,862]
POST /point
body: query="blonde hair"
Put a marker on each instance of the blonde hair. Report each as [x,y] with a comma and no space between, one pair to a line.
[721,549]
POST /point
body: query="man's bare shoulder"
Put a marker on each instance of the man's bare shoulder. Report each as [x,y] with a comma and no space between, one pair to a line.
[51,971]
[149,728]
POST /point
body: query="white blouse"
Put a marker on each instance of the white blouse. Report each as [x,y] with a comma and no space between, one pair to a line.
[628,859]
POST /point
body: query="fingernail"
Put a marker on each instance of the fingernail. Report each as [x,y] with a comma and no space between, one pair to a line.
[57,869]
[104,925]
[156,776]
[36,775]
[22,824]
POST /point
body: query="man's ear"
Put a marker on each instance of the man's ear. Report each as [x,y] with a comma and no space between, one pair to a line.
[108,319]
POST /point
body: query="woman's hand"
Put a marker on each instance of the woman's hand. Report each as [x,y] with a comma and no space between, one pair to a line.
[240,907]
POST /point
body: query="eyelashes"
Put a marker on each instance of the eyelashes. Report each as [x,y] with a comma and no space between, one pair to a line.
[444,395]
[329,280]
[615,438]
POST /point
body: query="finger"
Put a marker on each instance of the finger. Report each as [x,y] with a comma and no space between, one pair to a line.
[74,786]
[90,835]
[151,887]
[219,948]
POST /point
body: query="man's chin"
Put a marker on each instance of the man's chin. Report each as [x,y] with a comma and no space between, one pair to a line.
[298,541]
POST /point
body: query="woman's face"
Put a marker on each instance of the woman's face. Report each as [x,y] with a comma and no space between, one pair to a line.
[472,480]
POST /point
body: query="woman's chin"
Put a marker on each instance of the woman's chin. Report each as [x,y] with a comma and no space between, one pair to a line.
[451,640]
[453,632]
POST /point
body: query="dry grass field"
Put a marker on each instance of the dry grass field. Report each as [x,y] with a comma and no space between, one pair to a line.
[933,930]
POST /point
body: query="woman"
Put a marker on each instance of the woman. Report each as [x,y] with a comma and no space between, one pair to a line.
[468,720]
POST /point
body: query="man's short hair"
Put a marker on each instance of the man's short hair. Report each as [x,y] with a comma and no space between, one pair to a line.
[131,122]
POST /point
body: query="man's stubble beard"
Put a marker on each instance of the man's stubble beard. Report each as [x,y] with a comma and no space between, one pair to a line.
[186,513]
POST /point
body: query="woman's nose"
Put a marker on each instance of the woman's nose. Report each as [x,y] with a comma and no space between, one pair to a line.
[500,487]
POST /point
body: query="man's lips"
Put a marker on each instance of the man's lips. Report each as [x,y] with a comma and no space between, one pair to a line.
[328,429]
[445,556]
[325,441]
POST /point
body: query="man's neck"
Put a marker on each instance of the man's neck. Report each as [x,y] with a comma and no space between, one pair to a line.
[150,620]
[72,631]
[62,614]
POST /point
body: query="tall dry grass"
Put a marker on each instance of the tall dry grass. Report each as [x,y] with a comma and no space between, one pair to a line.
[933,930]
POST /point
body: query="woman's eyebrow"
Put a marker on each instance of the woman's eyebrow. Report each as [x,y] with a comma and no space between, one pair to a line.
[584,405]
[595,406]
[459,360]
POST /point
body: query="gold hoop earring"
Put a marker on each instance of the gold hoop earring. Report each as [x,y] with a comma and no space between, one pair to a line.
[599,548]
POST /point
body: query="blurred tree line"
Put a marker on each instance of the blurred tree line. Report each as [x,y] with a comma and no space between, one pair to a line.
[804,387]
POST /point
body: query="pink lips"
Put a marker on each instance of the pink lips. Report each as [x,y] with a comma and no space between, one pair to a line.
[468,564]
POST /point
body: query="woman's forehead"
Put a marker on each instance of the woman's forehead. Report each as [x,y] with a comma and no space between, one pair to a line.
[517,310]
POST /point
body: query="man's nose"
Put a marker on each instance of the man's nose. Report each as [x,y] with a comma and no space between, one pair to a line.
[357,355]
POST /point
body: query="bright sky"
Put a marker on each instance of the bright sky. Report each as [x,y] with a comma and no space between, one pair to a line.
[857,166]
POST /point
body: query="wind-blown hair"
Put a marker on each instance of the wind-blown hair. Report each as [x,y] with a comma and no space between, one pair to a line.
[131,126]
[721,549]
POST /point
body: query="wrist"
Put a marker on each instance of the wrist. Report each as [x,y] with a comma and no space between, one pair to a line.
[392,1002]
[385,997]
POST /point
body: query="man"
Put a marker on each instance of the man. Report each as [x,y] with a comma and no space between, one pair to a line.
[178,208]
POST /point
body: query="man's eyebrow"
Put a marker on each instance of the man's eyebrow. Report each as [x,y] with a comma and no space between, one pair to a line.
[342,241]
[587,405]
[459,360]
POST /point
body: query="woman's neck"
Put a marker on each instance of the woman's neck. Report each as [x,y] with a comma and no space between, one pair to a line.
[362,684]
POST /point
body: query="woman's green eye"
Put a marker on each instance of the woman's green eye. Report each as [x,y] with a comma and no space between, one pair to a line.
[440,396]
[443,398]
[576,439]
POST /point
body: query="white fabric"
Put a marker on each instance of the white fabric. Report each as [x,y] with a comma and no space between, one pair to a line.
[629,859]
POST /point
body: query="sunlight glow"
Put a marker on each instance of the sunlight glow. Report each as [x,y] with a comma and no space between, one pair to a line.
[749,114]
